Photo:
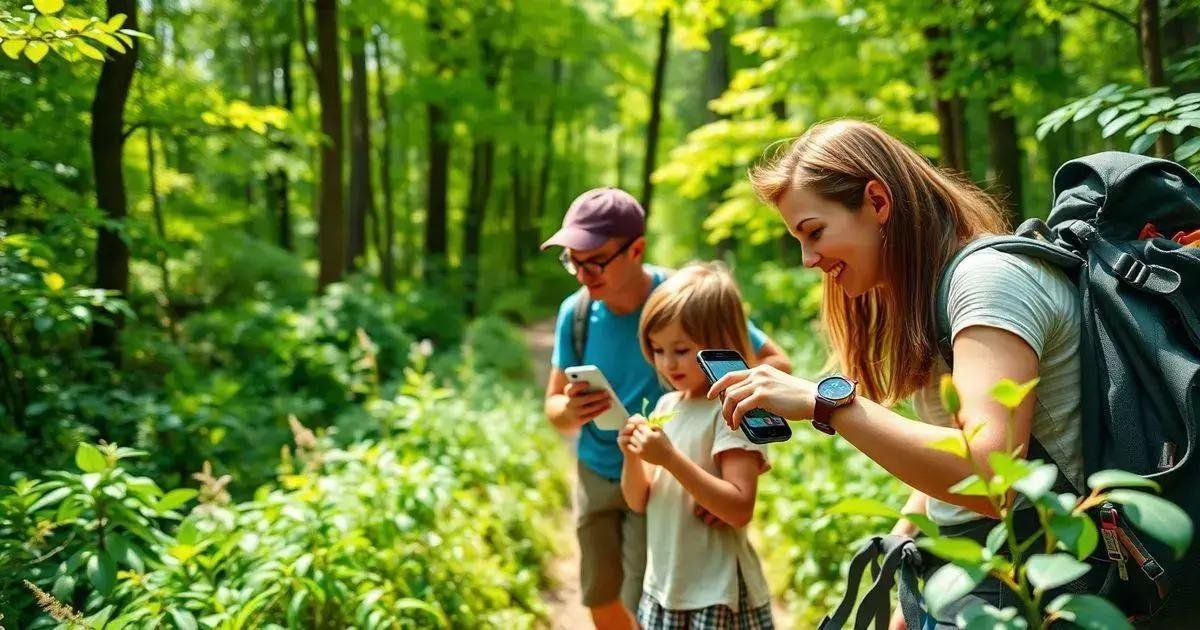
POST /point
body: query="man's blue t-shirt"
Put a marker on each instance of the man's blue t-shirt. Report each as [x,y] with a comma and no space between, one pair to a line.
[612,345]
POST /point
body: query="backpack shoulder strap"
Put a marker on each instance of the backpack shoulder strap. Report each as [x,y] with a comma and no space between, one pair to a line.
[580,319]
[1030,240]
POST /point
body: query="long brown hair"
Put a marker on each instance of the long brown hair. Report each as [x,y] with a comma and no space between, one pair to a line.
[887,337]
[704,299]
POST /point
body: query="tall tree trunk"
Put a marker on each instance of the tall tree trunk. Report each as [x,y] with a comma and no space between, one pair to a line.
[1181,34]
[361,195]
[520,212]
[436,251]
[789,249]
[543,185]
[160,228]
[1005,157]
[950,141]
[331,241]
[282,204]
[716,81]
[107,143]
[1152,58]
[769,18]
[656,97]
[483,157]
[387,252]
[482,162]
[436,259]
[958,119]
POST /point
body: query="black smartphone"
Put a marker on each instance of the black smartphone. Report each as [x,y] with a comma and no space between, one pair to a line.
[759,426]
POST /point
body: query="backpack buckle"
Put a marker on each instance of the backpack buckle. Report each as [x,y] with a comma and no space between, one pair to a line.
[1132,270]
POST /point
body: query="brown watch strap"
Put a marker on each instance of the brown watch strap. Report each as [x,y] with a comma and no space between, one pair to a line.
[822,412]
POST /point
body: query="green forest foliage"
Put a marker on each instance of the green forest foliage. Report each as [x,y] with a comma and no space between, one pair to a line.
[174,280]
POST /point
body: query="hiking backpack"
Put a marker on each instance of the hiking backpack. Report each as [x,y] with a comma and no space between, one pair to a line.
[1139,351]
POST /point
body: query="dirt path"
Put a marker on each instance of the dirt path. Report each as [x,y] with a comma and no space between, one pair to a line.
[563,598]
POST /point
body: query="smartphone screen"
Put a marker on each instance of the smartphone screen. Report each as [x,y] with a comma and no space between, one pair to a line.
[756,417]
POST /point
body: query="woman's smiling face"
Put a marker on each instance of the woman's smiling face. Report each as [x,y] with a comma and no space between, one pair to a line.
[844,243]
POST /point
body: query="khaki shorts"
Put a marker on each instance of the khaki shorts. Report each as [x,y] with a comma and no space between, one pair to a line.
[612,542]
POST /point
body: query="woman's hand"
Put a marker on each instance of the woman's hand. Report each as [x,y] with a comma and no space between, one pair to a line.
[651,444]
[625,436]
[764,387]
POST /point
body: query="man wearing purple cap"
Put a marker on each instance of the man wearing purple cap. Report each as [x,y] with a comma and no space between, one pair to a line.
[603,243]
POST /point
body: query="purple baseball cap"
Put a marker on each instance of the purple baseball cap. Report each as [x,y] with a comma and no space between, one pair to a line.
[596,216]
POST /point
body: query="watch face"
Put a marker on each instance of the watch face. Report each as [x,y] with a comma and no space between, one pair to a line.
[835,388]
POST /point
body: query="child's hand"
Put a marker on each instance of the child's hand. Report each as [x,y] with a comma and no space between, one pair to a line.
[651,444]
[626,434]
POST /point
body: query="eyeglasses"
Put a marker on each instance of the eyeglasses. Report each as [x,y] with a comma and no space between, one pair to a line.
[591,267]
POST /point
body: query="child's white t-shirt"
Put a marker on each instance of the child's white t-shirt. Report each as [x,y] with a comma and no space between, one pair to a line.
[690,565]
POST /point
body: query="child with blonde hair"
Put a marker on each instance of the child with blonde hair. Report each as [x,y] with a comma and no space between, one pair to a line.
[693,467]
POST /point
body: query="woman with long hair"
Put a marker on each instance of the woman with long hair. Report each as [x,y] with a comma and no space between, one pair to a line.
[882,223]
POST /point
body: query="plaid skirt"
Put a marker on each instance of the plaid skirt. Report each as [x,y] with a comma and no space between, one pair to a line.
[652,616]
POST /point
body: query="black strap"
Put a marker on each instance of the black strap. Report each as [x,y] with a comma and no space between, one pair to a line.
[898,553]
[902,557]
[858,564]
[1031,239]
[579,322]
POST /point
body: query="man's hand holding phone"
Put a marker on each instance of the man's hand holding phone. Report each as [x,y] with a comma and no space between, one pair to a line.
[584,405]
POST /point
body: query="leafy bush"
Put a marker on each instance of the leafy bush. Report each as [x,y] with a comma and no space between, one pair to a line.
[1143,115]
[439,525]
[1065,526]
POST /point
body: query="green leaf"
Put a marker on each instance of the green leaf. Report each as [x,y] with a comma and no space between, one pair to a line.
[106,39]
[90,459]
[997,537]
[50,498]
[175,498]
[949,394]
[1108,479]
[1107,116]
[115,22]
[1038,482]
[950,583]
[925,524]
[1158,104]
[1089,612]
[102,572]
[1187,149]
[48,7]
[864,507]
[88,50]
[1156,516]
[99,619]
[980,616]
[1007,468]
[1119,124]
[36,51]
[1047,571]
[183,619]
[1010,394]
[972,486]
[1076,532]
[952,444]
[1176,127]
[953,549]
[1143,142]
[13,47]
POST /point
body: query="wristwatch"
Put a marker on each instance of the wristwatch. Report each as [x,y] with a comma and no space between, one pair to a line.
[832,392]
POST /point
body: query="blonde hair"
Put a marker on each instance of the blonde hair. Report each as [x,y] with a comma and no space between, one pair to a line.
[886,338]
[704,299]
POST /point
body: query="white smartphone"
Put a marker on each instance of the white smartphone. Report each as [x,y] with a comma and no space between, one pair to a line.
[612,419]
